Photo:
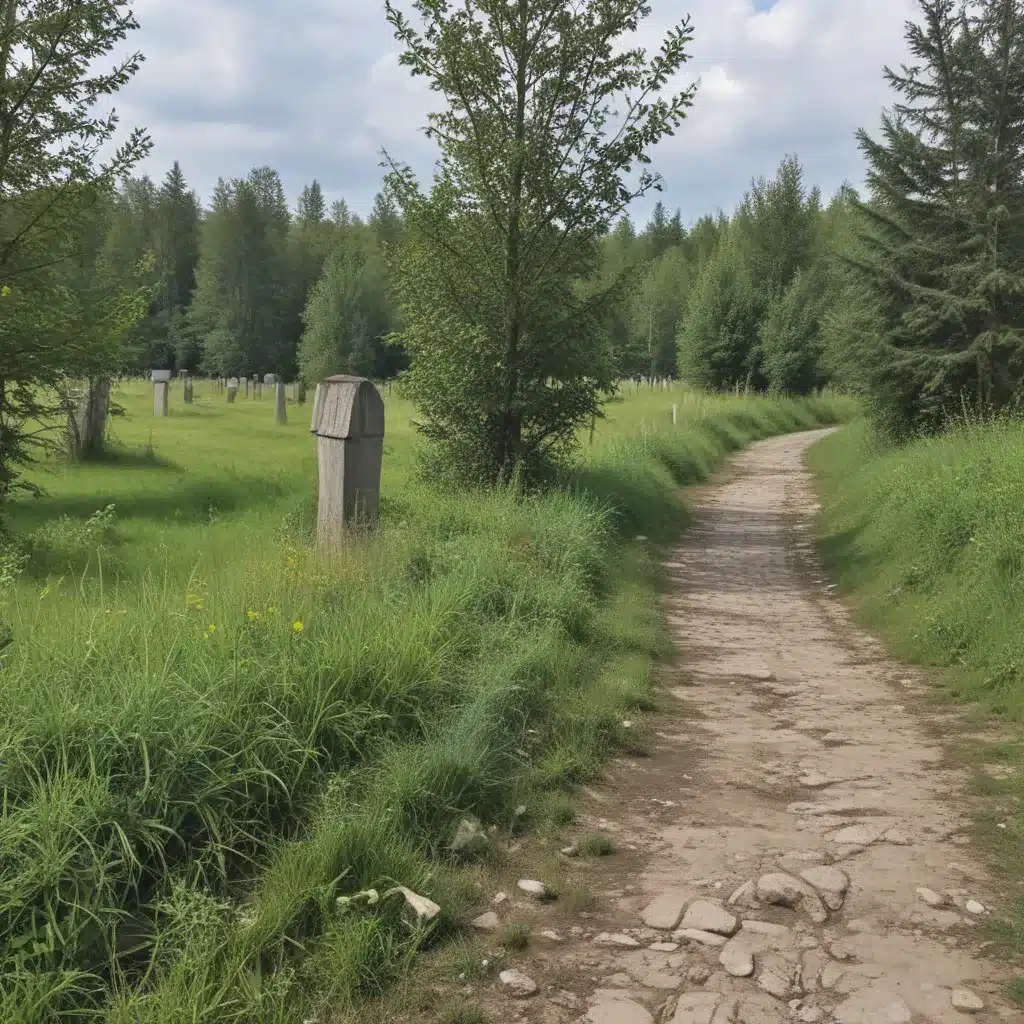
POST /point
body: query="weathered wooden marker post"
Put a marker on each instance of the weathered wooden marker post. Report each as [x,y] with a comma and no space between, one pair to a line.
[281,407]
[232,389]
[348,420]
[161,385]
[186,385]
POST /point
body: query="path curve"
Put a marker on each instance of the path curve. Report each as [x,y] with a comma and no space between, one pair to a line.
[795,759]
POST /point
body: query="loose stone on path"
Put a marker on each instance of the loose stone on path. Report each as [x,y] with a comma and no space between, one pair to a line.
[696,1008]
[966,1001]
[619,1011]
[665,911]
[737,960]
[518,984]
[709,917]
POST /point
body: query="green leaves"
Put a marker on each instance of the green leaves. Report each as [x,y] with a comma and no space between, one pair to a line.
[507,335]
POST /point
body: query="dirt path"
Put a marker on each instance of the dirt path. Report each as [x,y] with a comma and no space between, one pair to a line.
[787,769]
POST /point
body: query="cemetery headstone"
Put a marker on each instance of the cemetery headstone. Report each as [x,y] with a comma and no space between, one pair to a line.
[348,421]
[232,389]
[161,385]
[281,409]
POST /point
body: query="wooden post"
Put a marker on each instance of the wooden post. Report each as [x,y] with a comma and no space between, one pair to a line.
[673,414]
[246,387]
[348,420]
[161,384]
[232,389]
[281,407]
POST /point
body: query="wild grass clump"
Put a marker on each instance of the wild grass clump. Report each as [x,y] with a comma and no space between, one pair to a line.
[222,754]
[929,541]
[597,844]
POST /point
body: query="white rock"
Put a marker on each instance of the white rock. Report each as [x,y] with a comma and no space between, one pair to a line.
[664,947]
[500,897]
[967,1001]
[551,935]
[974,907]
[618,1011]
[873,1006]
[697,935]
[520,985]
[696,1008]
[809,1015]
[830,882]
[425,909]
[486,922]
[787,891]
[744,894]
[776,976]
[858,835]
[615,939]
[931,897]
[664,911]
[709,917]
[538,890]
[737,961]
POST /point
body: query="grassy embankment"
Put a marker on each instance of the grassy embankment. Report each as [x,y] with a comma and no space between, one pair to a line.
[208,734]
[928,540]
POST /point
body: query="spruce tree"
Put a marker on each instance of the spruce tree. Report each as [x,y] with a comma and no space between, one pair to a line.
[943,237]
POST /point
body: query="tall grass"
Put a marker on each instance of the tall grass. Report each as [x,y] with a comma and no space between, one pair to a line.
[209,734]
[928,539]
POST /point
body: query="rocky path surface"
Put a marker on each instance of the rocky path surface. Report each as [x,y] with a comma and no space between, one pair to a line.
[793,849]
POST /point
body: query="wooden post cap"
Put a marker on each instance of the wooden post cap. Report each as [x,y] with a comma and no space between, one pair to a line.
[347,408]
[161,376]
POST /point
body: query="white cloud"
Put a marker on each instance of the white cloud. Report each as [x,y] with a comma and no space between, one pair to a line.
[315,89]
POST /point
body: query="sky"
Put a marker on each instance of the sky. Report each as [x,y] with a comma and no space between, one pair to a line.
[314,89]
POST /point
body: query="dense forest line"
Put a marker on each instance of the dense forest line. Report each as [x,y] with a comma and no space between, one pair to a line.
[248,285]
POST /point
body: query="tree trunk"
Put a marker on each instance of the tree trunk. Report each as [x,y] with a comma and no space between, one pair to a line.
[87,420]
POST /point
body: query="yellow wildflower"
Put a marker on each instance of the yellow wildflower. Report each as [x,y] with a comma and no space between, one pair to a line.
[211,628]
[253,616]
[194,601]
[298,626]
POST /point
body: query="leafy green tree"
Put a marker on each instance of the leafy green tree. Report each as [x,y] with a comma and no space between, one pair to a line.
[51,179]
[348,313]
[722,316]
[508,344]
[941,254]
[657,308]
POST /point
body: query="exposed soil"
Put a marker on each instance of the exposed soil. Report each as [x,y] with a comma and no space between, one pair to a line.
[789,742]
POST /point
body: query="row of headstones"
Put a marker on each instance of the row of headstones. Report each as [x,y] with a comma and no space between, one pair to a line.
[162,380]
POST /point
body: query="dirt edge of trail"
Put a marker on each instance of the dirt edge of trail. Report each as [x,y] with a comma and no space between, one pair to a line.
[795,846]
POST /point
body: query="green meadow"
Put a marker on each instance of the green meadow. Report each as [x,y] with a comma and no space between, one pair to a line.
[221,753]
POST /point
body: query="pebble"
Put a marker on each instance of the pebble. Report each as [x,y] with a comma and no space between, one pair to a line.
[830,882]
[974,907]
[486,922]
[967,1001]
[931,897]
[500,897]
[697,935]
[664,947]
[520,985]
[737,961]
[538,890]
[618,1011]
[665,911]
[615,939]
[705,916]
[551,935]
[695,1008]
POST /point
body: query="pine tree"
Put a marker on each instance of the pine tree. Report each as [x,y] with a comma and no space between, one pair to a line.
[943,243]
[176,245]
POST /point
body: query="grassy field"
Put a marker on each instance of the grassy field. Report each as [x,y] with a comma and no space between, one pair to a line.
[928,540]
[209,734]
